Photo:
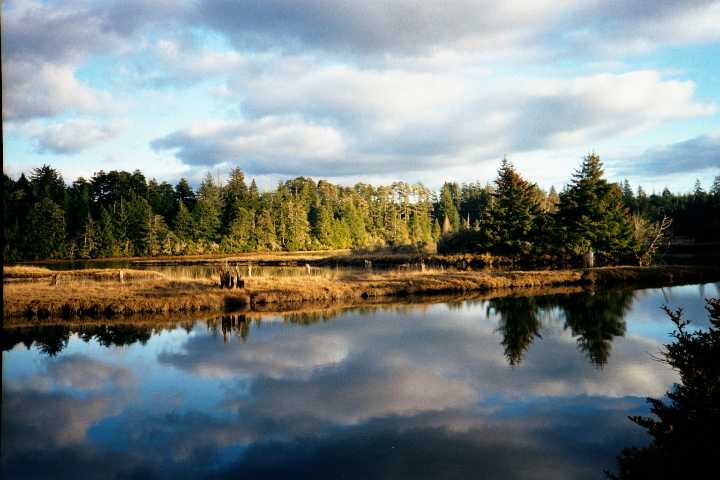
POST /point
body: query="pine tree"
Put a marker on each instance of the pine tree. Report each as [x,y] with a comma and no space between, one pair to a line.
[235,198]
[323,228]
[265,238]
[592,214]
[45,231]
[241,236]
[356,224]
[207,212]
[448,210]
[88,245]
[436,230]
[253,196]
[184,193]
[516,210]
[139,225]
[106,244]
[715,189]
[293,231]
[184,227]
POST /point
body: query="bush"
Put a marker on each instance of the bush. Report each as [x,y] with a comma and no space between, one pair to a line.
[684,430]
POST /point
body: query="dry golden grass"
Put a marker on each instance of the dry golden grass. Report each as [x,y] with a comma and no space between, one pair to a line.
[26,271]
[22,272]
[100,293]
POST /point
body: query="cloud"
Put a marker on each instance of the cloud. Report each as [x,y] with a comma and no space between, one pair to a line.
[266,145]
[693,155]
[411,27]
[43,45]
[32,90]
[342,120]
[71,136]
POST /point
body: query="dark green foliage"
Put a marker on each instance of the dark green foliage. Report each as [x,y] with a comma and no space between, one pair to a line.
[106,244]
[447,211]
[592,217]
[596,318]
[184,227]
[694,215]
[184,193]
[685,425]
[241,234]
[515,212]
[120,214]
[45,231]
[519,324]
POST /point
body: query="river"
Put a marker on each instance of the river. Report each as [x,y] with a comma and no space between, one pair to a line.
[516,387]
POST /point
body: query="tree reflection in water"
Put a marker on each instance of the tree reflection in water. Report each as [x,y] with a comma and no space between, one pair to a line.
[519,324]
[595,317]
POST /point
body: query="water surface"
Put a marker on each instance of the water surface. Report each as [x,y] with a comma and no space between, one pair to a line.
[516,387]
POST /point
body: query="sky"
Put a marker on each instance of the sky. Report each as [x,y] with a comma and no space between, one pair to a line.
[374,91]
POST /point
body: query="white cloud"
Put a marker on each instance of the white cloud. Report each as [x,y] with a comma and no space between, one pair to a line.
[341,120]
[72,136]
[33,90]
[266,145]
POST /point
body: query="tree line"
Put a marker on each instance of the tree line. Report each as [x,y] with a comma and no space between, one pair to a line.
[119,214]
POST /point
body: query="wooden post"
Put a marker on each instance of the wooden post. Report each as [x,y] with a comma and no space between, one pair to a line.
[121,276]
[307,268]
[589,259]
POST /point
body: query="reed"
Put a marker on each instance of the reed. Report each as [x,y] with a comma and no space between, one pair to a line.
[101,294]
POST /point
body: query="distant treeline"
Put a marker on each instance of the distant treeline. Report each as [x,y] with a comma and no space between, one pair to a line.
[122,214]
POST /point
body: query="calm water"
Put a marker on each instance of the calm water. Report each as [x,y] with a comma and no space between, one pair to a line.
[534,387]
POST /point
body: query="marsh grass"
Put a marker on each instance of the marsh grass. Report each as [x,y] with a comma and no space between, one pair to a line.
[95,293]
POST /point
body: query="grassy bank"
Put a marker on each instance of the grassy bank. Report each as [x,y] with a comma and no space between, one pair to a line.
[103,295]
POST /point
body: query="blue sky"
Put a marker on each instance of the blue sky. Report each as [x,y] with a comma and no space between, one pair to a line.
[373,91]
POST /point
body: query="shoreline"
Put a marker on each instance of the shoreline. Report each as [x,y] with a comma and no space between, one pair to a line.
[108,298]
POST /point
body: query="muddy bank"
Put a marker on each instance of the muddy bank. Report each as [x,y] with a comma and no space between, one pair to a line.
[95,299]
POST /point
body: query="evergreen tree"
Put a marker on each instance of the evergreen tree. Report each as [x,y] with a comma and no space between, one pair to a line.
[162,199]
[294,228]
[686,421]
[253,196]
[448,210]
[265,238]
[45,231]
[235,197]
[88,246]
[324,225]
[241,235]
[139,226]
[184,193]
[715,189]
[592,215]
[184,227]
[436,230]
[106,244]
[516,210]
[46,182]
[207,211]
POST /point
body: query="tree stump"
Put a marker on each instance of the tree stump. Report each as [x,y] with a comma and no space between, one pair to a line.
[121,276]
[589,259]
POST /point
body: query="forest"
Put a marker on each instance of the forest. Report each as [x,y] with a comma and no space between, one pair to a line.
[122,214]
